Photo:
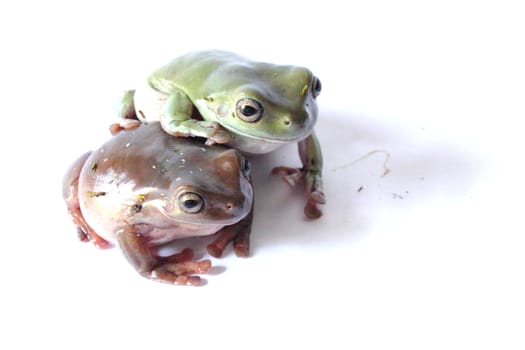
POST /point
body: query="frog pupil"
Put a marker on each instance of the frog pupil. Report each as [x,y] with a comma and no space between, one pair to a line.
[249,111]
[191,203]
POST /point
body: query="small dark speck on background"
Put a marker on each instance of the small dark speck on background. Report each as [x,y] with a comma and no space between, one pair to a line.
[397,196]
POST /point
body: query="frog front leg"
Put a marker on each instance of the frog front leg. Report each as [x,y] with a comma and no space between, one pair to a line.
[239,233]
[127,116]
[310,173]
[176,269]
[176,120]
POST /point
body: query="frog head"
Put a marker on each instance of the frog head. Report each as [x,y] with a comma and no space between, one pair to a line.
[264,102]
[213,188]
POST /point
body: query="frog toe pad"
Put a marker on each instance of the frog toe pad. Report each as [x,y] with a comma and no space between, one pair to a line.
[181,272]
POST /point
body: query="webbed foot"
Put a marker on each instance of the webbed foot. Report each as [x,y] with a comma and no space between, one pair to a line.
[180,269]
[212,131]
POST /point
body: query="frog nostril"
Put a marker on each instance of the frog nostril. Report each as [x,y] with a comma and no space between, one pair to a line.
[287,122]
[229,206]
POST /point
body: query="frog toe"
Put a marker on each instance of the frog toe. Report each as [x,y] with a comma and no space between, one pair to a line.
[241,248]
[311,211]
[182,273]
[215,250]
[291,176]
[317,197]
[124,124]
[219,136]
[238,233]
[313,187]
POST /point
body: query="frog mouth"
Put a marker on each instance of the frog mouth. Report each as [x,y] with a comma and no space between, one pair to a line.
[270,139]
[207,226]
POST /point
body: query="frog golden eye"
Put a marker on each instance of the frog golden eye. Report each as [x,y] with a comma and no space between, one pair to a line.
[191,202]
[316,87]
[249,110]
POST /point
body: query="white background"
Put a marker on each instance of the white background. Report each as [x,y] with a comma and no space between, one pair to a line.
[430,256]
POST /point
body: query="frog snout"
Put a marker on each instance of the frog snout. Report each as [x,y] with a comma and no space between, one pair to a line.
[292,125]
[287,121]
[238,206]
[288,124]
[235,207]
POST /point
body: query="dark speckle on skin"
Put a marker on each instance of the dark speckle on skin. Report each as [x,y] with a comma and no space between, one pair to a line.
[136,208]
[93,194]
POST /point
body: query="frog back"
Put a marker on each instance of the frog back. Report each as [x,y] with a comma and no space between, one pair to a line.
[202,73]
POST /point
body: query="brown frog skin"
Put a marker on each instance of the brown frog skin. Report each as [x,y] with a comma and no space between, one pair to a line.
[144,188]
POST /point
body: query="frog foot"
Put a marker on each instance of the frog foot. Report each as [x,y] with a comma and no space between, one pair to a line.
[238,233]
[241,245]
[124,124]
[217,134]
[101,243]
[212,131]
[85,233]
[313,187]
[180,269]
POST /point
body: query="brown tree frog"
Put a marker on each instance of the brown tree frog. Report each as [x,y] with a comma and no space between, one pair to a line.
[144,188]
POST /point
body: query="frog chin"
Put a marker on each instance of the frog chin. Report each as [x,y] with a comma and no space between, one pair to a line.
[294,135]
[255,144]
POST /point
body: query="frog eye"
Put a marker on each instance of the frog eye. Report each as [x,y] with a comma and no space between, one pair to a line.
[245,167]
[316,87]
[249,110]
[191,202]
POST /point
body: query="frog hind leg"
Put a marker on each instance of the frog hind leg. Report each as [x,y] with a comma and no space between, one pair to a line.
[175,269]
[311,174]
[85,232]
[127,116]
[70,194]
[238,233]
[176,119]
